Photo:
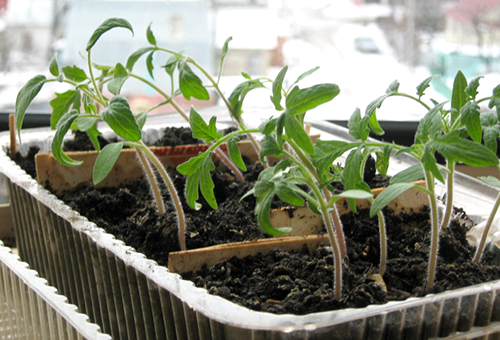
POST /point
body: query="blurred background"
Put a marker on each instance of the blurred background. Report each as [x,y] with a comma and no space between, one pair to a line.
[360,45]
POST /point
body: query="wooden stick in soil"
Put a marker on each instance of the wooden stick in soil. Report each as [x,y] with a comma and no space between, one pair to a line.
[12,130]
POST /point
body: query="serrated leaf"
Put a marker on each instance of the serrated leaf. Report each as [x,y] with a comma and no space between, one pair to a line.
[430,125]
[383,160]
[197,169]
[119,78]
[278,88]
[106,161]
[62,128]
[190,84]
[201,129]
[411,174]
[295,130]
[121,119]
[286,191]
[132,59]
[490,137]
[239,93]
[387,195]
[326,152]
[302,100]
[24,98]
[495,101]
[171,65]
[488,119]
[425,85]
[465,151]
[470,118]
[74,73]
[54,67]
[62,103]
[235,154]
[106,26]
[358,127]
[377,103]
[458,97]
[268,126]
[150,36]
[393,87]
[270,147]
[471,89]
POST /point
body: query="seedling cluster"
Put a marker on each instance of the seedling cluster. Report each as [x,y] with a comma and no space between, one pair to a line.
[300,172]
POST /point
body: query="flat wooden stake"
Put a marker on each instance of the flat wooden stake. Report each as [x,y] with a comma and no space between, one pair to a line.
[12,129]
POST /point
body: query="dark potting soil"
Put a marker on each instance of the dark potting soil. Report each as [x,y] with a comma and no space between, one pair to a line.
[302,282]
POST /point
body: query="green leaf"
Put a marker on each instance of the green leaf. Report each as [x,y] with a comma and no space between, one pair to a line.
[411,174]
[84,124]
[387,195]
[295,130]
[201,129]
[54,67]
[121,119]
[354,194]
[306,74]
[490,137]
[62,128]
[197,170]
[488,119]
[88,104]
[106,161]
[425,85]
[171,65]
[150,36]
[119,78]
[358,127]
[149,64]
[62,103]
[458,97]
[465,151]
[374,125]
[302,100]
[377,103]
[225,48]
[141,118]
[495,101]
[74,73]
[267,127]
[326,152]
[190,84]
[490,180]
[132,59]
[430,125]
[235,154]
[471,89]
[393,87]
[24,98]
[239,93]
[93,134]
[470,118]
[429,162]
[286,191]
[278,88]
[270,147]
[383,159]
[106,26]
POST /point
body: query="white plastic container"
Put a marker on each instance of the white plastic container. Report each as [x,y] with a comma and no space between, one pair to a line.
[132,297]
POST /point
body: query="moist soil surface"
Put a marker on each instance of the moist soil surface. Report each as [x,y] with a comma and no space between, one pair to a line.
[283,282]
